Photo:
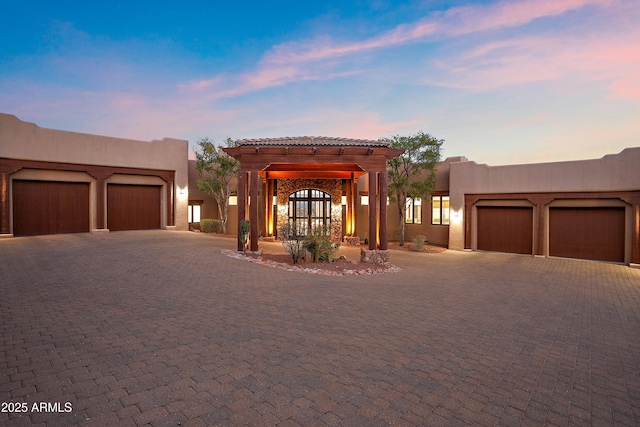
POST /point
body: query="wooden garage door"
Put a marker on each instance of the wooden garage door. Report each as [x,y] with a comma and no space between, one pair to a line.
[505,229]
[587,233]
[133,207]
[47,207]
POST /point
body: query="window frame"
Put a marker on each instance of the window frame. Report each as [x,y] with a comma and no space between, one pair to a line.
[190,212]
[410,210]
[444,212]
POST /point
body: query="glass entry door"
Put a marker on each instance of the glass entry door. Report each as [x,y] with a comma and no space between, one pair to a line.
[309,209]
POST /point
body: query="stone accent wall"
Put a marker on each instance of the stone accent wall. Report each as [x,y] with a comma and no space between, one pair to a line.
[331,186]
[375,256]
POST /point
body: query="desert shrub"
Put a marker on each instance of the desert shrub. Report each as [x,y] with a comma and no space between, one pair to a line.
[293,239]
[418,243]
[208,225]
[319,243]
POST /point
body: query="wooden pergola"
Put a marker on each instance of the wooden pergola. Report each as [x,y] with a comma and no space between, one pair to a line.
[265,160]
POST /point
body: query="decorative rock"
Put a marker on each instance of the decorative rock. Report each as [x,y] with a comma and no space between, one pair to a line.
[352,240]
[375,256]
[239,255]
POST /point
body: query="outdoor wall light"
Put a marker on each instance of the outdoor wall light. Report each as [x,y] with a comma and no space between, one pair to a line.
[364,200]
[344,201]
[275,200]
[233,200]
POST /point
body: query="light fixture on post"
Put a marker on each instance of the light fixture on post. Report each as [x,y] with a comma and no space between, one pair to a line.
[344,201]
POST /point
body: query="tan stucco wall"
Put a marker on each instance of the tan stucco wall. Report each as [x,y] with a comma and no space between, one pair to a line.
[614,172]
[27,141]
[437,234]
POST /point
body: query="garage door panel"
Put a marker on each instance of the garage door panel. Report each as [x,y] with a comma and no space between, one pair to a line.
[505,229]
[49,207]
[133,207]
[587,233]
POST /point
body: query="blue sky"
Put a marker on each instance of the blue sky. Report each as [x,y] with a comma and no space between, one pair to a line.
[512,81]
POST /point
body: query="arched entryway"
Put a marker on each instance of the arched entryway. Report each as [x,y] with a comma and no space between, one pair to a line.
[309,209]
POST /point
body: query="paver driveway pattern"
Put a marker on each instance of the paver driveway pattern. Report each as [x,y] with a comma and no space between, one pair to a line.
[160,328]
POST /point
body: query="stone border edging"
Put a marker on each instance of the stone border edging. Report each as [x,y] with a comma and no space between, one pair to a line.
[287,267]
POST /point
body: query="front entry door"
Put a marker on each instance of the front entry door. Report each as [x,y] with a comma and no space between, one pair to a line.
[310,209]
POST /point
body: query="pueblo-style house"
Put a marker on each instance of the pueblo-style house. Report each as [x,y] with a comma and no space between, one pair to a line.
[54,181]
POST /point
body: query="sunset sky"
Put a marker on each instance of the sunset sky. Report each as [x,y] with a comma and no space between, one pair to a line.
[511,81]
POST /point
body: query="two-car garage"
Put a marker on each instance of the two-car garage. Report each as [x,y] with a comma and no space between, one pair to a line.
[54,207]
[582,232]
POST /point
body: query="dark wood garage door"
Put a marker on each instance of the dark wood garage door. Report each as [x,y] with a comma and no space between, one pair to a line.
[133,207]
[48,207]
[505,229]
[587,233]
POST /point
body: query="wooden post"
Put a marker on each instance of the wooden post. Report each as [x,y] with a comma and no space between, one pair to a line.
[347,226]
[352,202]
[242,202]
[254,180]
[265,220]
[383,210]
[373,211]
[635,234]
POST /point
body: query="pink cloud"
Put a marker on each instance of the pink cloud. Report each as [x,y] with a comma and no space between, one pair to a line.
[316,59]
[454,22]
[628,88]
[613,60]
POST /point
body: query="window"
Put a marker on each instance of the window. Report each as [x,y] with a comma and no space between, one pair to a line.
[440,210]
[414,210]
[194,213]
[310,209]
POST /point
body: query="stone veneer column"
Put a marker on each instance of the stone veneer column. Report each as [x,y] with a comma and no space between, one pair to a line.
[373,211]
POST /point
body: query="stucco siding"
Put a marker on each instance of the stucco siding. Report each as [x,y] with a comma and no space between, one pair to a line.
[25,141]
[612,173]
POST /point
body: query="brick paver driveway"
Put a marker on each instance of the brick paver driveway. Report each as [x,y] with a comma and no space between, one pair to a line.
[160,328]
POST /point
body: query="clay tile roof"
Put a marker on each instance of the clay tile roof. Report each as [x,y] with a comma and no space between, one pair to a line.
[311,141]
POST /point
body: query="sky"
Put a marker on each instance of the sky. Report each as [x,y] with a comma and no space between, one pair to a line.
[501,82]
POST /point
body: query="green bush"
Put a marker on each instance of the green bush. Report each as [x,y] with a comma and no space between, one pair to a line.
[208,225]
[319,243]
[418,243]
